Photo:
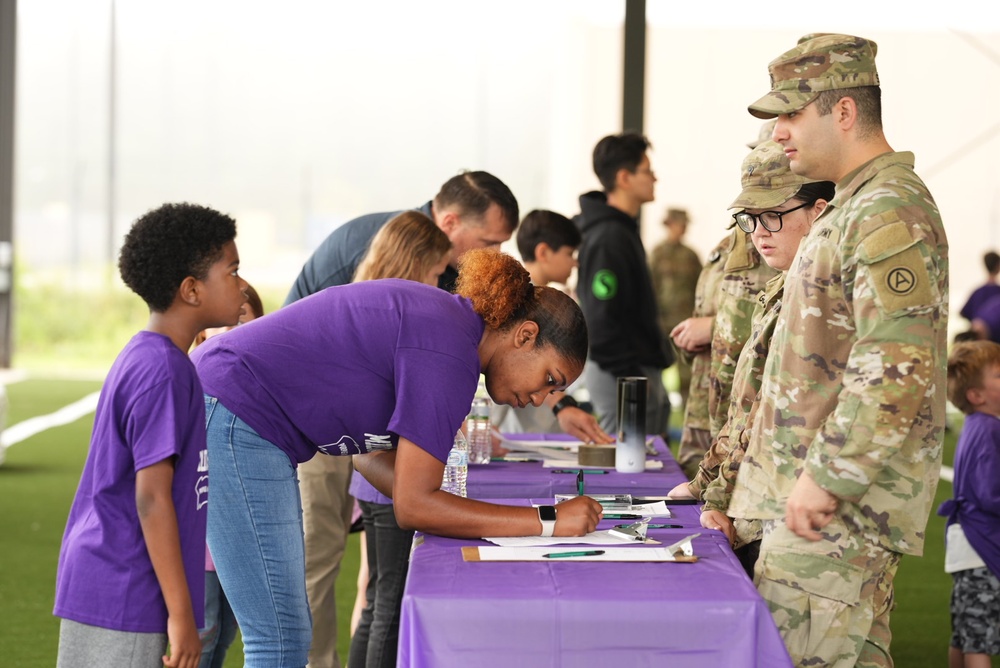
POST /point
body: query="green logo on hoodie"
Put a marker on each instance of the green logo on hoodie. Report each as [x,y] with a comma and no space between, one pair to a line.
[605,285]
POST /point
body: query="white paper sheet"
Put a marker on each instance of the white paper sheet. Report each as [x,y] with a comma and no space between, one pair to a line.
[489,553]
[592,538]
[657,509]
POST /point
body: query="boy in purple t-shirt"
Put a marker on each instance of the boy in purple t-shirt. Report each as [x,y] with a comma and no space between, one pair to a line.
[131,568]
[973,548]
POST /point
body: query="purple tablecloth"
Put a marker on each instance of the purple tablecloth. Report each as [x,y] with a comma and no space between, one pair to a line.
[561,614]
[520,480]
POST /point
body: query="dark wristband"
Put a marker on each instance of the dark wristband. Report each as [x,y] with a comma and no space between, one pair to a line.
[565,402]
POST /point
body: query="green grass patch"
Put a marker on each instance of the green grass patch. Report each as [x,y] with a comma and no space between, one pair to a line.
[61,324]
[37,485]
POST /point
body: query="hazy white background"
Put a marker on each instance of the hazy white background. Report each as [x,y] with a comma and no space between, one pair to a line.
[295,116]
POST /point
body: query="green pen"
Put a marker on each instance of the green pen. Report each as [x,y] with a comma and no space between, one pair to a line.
[581,553]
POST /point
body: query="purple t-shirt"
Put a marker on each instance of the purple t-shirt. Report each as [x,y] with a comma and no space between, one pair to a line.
[978,299]
[976,504]
[989,313]
[151,408]
[351,369]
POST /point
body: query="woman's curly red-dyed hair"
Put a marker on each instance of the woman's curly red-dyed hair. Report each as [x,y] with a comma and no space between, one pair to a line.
[501,293]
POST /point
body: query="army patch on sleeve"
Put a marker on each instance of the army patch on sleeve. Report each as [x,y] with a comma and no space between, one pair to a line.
[604,285]
[898,273]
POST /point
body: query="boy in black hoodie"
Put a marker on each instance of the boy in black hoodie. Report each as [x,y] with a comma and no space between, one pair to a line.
[614,286]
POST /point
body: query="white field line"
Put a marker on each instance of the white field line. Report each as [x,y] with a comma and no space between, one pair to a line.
[38,424]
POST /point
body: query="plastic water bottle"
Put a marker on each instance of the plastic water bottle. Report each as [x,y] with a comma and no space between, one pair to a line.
[456,469]
[479,430]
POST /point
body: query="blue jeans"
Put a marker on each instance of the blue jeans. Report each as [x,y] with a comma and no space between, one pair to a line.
[255,535]
[220,624]
[376,639]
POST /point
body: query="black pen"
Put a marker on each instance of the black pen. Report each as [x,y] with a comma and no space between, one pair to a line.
[619,516]
[578,471]
[668,502]
[581,553]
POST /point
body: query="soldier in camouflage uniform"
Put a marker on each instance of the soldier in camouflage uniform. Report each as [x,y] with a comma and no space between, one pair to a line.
[708,399]
[695,434]
[845,449]
[787,204]
[675,269]
[745,276]
[727,288]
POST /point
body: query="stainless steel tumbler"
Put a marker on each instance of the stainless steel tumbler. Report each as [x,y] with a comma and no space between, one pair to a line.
[630,453]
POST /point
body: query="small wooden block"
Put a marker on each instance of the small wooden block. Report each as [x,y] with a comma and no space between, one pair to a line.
[596,455]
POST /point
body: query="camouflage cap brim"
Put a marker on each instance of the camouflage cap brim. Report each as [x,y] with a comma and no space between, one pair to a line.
[756,197]
[779,102]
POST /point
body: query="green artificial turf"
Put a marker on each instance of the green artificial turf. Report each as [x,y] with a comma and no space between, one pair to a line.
[39,479]
[37,484]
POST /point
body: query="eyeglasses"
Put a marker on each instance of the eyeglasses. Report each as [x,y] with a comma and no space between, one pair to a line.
[769,220]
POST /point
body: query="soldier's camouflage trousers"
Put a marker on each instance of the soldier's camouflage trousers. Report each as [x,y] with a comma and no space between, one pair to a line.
[831,598]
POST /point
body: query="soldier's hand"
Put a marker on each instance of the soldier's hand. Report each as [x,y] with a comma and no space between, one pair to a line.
[681,491]
[693,334]
[809,508]
[713,519]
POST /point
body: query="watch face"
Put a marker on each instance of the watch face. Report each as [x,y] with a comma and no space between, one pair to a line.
[547,513]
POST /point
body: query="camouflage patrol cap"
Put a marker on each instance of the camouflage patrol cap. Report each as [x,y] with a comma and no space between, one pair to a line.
[819,62]
[767,179]
[764,135]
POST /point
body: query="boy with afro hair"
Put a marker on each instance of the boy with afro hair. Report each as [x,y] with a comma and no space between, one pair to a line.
[131,568]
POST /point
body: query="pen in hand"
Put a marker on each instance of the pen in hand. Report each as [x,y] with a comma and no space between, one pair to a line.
[581,553]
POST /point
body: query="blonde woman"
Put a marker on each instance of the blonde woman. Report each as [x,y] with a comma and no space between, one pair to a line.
[412,247]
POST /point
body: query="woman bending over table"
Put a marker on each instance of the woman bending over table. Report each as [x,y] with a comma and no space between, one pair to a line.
[385,371]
